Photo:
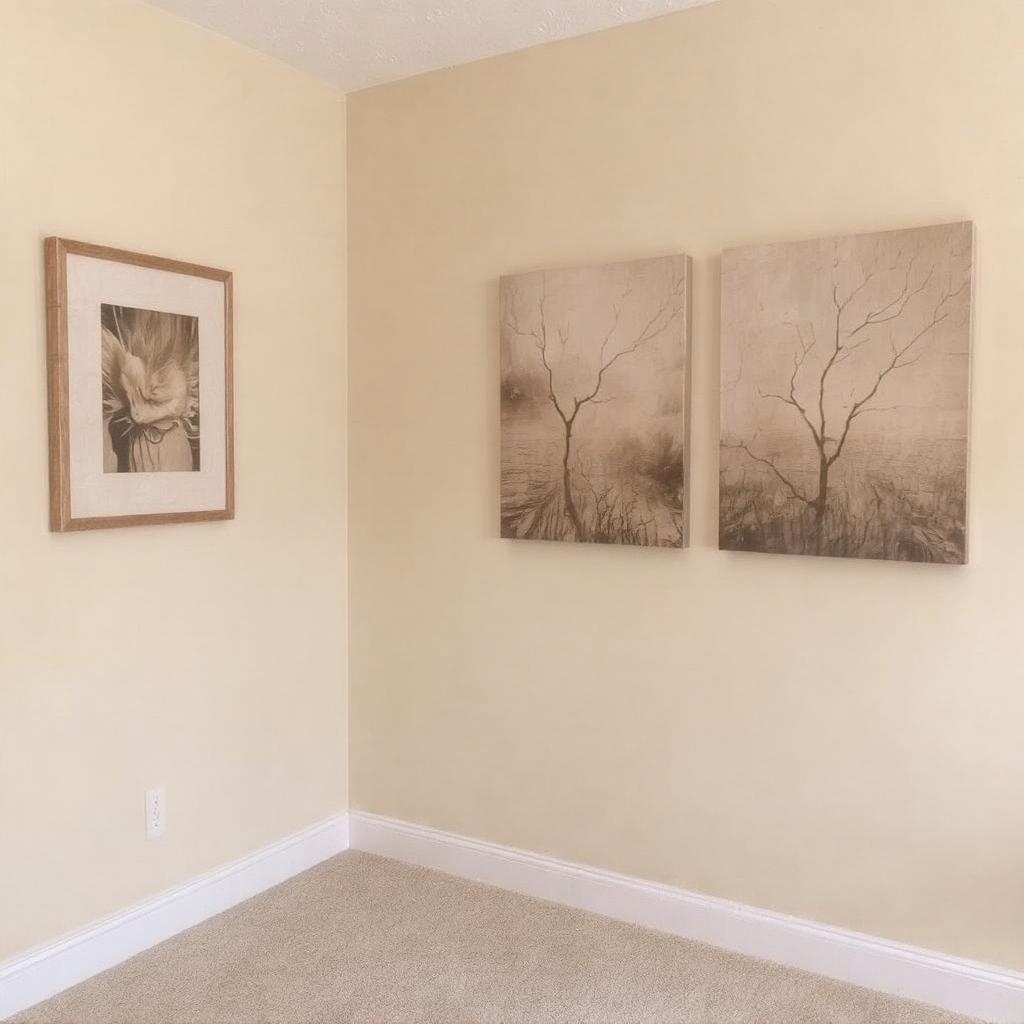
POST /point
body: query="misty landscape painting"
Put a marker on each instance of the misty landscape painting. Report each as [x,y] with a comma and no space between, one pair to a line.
[594,397]
[845,374]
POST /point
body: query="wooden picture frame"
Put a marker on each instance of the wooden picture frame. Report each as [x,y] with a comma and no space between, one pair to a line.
[139,372]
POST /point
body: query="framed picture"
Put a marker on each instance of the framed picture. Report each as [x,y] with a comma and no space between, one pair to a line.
[140,389]
[595,389]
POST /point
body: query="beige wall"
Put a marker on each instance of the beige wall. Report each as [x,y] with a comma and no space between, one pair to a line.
[210,658]
[839,740]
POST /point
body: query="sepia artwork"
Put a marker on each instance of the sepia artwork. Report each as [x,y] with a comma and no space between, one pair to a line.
[594,403]
[845,370]
[150,391]
[139,358]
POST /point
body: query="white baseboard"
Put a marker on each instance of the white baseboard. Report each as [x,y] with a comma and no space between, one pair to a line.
[47,970]
[960,986]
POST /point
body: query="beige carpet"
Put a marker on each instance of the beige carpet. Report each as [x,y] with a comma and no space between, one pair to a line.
[364,939]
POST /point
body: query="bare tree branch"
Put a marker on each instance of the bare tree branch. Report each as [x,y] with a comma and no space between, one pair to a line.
[656,325]
[892,310]
[788,484]
[898,362]
[895,309]
[798,362]
[540,339]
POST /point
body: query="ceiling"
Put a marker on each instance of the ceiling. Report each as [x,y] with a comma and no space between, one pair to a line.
[356,43]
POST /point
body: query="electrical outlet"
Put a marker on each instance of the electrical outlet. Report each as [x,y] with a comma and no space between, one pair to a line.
[156,812]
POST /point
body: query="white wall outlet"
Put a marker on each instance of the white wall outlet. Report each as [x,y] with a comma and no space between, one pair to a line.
[156,812]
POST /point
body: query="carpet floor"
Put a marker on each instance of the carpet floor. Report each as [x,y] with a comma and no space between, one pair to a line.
[364,939]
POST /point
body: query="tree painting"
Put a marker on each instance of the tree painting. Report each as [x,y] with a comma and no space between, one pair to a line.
[845,381]
[594,396]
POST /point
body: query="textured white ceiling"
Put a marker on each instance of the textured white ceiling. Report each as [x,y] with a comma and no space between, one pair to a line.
[356,43]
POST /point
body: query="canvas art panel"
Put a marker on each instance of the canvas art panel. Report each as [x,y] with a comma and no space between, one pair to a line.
[140,388]
[594,403]
[845,377]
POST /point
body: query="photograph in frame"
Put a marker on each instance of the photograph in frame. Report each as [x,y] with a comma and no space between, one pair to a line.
[140,380]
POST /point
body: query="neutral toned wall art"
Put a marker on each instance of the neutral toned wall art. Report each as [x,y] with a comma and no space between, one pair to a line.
[139,352]
[845,371]
[594,403]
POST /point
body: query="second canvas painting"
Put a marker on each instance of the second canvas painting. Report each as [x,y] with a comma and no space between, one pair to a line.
[845,396]
[594,397]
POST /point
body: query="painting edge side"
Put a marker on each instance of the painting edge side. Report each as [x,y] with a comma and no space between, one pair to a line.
[55,258]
